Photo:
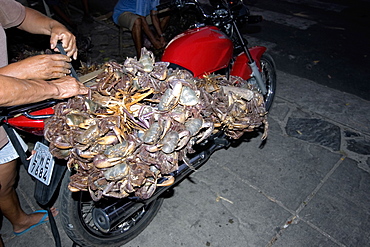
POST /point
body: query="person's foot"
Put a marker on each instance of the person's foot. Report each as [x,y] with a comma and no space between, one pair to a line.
[33,219]
[158,45]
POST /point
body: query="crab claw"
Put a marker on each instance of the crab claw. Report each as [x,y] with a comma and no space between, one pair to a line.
[73,189]
[106,140]
[85,154]
[33,152]
[170,181]
[101,161]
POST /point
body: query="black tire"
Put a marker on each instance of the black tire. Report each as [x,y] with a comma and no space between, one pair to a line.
[269,78]
[76,218]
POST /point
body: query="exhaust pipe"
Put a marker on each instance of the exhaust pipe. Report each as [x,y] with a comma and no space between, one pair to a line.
[111,216]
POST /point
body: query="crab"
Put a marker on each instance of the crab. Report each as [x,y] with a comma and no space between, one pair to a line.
[195,125]
[140,119]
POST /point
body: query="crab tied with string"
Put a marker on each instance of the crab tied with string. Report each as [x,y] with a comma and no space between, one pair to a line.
[140,120]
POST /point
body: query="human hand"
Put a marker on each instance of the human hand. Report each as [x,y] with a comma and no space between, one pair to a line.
[15,91]
[44,67]
[68,86]
[59,32]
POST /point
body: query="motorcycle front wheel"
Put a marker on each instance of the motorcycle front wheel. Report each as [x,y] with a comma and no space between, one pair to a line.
[76,218]
[268,74]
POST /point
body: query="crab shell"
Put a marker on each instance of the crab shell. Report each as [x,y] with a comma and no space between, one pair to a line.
[188,97]
[116,172]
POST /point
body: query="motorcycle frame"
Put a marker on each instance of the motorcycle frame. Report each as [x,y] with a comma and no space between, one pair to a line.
[243,65]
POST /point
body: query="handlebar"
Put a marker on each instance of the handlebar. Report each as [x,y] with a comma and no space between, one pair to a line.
[176,4]
[206,9]
[221,11]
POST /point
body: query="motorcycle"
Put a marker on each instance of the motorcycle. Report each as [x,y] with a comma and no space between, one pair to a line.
[213,44]
[219,23]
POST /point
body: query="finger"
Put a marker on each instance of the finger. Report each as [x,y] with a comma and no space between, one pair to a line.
[53,41]
[60,57]
[64,40]
[75,55]
[64,71]
[60,65]
[73,52]
[60,74]
[70,45]
[83,89]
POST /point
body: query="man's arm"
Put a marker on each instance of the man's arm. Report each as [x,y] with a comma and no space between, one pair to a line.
[14,91]
[37,23]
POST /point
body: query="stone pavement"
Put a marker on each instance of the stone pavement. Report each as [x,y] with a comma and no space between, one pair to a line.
[308,186]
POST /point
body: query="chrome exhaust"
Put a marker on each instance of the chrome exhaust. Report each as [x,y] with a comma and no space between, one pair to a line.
[111,216]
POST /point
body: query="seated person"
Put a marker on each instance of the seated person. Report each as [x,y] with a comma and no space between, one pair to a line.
[137,15]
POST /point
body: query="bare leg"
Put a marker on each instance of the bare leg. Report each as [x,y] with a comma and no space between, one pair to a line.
[164,22]
[156,43]
[9,202]
[136,36]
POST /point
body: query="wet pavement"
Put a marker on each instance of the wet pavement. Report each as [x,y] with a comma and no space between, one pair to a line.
[308,186]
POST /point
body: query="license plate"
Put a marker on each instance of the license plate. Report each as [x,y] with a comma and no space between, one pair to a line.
[42,164]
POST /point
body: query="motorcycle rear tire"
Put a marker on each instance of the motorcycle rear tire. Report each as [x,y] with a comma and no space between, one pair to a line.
[76,219]
[269,78]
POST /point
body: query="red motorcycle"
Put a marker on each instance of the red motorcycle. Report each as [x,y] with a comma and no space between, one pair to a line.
[213,44]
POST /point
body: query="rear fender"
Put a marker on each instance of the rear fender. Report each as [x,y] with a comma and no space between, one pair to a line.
[31,125]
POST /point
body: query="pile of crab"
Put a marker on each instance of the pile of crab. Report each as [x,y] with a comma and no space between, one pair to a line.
[140,120]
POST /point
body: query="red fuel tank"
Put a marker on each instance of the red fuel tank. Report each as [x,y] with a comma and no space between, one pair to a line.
[200,50]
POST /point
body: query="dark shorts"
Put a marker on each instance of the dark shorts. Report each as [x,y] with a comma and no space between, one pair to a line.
[127,20]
